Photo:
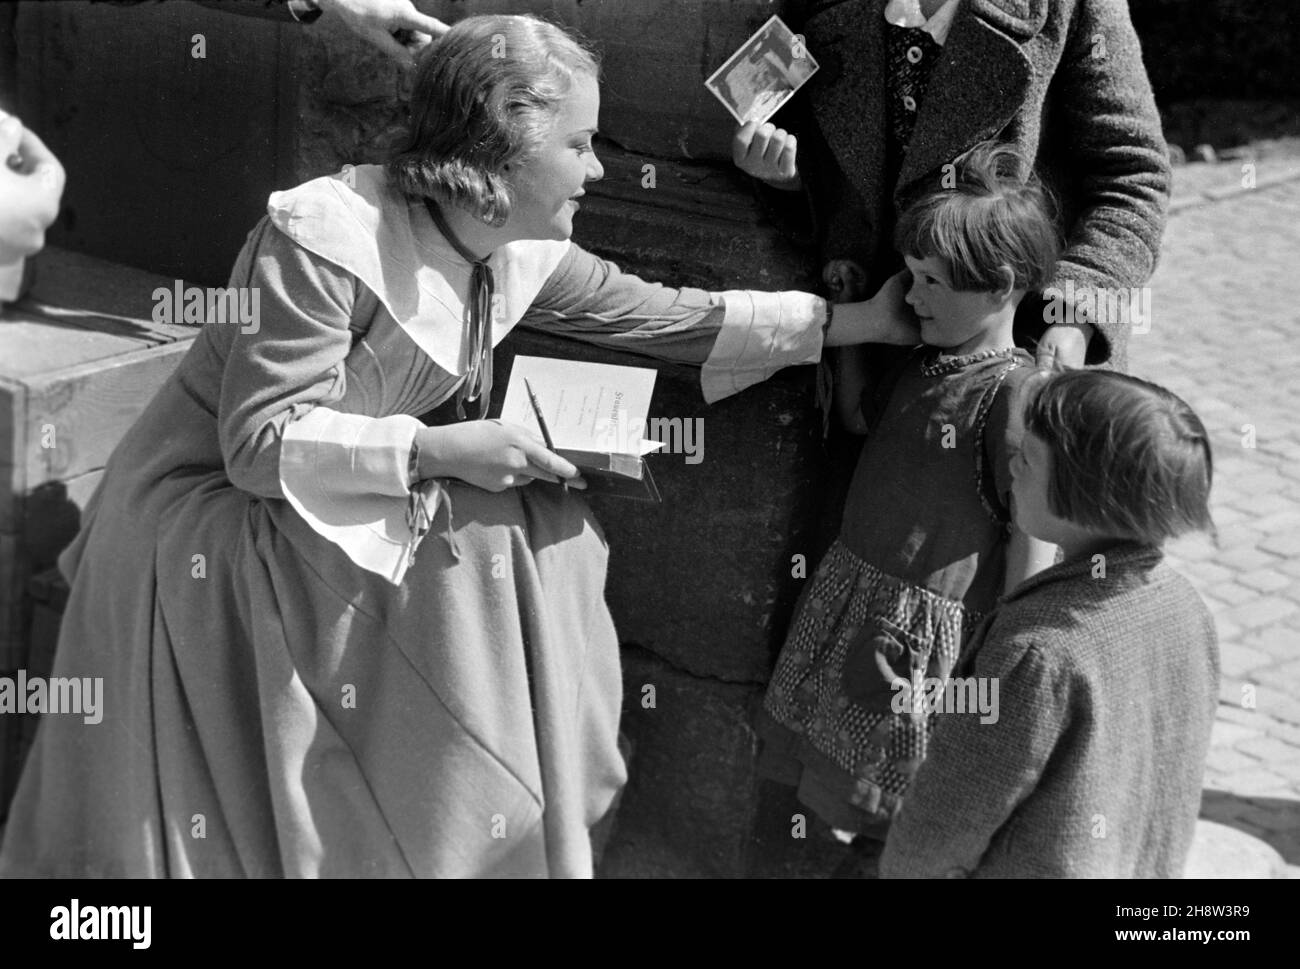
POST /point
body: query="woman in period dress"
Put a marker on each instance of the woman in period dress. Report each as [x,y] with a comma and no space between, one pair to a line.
[289,689]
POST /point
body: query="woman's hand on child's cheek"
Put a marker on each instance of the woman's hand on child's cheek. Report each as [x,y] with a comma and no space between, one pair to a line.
[1064,346]
[885,318]
[898,322]
[768,153]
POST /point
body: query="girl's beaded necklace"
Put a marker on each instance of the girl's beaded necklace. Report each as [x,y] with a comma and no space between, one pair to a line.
[941,366]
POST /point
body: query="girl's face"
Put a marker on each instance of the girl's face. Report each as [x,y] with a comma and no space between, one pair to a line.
[547,184]
[954,320]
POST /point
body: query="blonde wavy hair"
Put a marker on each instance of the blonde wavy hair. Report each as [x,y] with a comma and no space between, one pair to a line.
[484,97]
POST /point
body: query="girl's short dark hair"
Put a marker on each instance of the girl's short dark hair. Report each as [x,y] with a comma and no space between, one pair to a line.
[990,213]
[484,97]
[1128,457]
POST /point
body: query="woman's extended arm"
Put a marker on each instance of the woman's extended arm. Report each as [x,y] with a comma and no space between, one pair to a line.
[739,337]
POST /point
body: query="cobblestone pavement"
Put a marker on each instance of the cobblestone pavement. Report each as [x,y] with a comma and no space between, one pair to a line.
[1225,335]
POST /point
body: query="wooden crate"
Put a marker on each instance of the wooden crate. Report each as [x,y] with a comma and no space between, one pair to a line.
[80,357]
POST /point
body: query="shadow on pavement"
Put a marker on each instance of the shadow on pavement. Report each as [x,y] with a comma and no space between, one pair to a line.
[1274,820]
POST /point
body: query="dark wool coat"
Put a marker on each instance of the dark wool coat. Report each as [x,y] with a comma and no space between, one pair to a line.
[1061,80]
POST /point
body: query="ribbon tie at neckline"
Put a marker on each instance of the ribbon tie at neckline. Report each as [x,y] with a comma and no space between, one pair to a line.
[477,385]
[428,496]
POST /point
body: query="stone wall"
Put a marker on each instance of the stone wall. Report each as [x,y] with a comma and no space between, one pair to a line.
[170,156]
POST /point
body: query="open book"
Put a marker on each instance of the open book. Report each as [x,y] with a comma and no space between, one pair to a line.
[596,415]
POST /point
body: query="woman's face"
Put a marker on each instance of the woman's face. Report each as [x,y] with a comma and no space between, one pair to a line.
[547,184]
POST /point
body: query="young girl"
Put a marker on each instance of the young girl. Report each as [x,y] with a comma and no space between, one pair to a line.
[925,546]
[1107,663]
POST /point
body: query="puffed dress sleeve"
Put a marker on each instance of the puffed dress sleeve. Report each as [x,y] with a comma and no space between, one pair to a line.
[280,437]
[283,370]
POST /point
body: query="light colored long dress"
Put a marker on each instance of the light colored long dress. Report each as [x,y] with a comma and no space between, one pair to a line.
[287,692]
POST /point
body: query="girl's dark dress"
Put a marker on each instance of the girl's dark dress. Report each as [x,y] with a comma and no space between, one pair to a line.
[920,558]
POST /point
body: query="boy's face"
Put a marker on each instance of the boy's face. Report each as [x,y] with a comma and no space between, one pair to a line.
[954,320]
[1031,470]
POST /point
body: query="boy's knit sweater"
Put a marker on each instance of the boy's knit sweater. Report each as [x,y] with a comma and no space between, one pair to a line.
[1107,687]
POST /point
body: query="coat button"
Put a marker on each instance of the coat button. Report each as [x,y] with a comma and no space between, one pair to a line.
[914,55]
[909,102]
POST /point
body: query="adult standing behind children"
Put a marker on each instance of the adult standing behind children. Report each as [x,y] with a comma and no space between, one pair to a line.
[906,86]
